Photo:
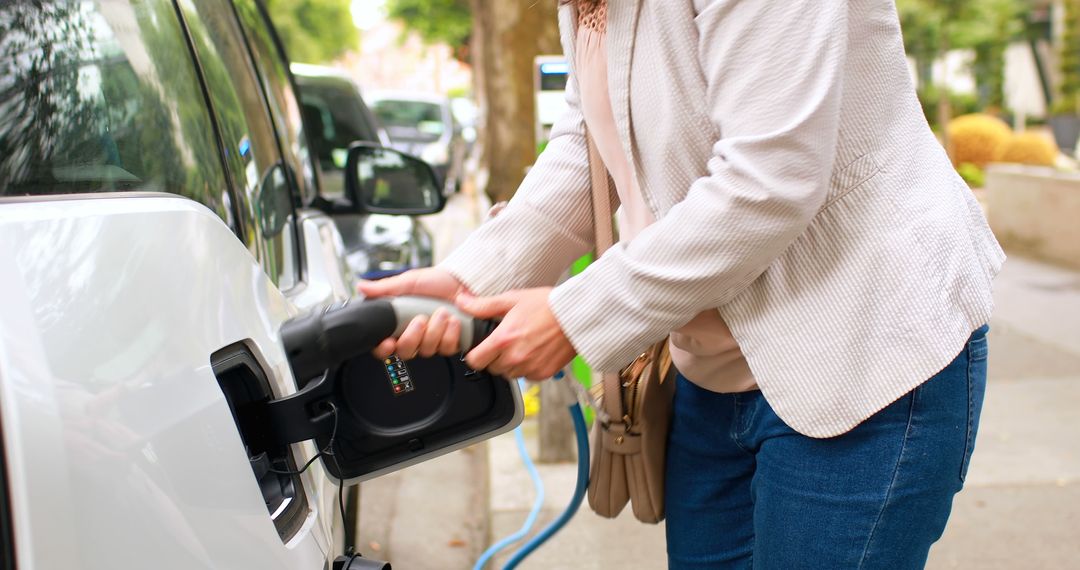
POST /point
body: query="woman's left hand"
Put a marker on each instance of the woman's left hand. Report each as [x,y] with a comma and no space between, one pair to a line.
[527,343]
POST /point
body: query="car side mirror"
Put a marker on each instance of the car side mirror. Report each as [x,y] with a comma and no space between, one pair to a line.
[386,181]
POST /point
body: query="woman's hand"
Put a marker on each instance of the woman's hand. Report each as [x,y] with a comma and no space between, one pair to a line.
[527,343]
[424,336]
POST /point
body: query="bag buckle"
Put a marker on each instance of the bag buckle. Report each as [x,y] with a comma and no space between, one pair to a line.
[635,368]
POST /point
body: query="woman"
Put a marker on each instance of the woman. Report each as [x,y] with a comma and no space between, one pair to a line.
[789,217]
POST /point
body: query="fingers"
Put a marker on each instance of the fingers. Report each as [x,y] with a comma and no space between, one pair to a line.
[403,284]
[436,333]
[486,353]
[408,344]
[451,339]
[487,307]
[425,337]
[426,282]
[385,349]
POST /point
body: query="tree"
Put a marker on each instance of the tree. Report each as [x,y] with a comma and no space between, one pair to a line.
[314,31]
[994,25]
[447,22]
[504,37]
[934,27]
[1068,102]
[506,40]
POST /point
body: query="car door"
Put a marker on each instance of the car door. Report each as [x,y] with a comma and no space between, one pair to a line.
[145,256]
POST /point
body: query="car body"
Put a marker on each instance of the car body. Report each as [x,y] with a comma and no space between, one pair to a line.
[157,232]
[424,125]
[336,115]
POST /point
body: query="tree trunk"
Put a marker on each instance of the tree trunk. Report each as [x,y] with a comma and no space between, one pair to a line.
[556,429]
[507,36]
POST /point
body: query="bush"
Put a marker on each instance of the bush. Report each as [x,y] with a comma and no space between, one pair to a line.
[973,175]
[1030,148]
[978,138]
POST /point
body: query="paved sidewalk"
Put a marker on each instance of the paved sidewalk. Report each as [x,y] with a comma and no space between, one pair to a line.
[433,515]
[1021,506]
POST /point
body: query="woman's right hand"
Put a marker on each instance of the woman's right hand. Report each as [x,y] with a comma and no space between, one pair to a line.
[424,336]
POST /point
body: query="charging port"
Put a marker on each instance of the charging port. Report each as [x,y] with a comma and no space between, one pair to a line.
[247,391]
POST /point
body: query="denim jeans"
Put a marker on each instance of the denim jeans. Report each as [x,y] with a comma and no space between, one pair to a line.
[743,490]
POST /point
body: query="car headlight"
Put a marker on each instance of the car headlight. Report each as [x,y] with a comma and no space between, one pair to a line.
[436,153]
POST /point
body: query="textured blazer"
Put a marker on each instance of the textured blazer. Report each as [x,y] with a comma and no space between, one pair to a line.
[797,189]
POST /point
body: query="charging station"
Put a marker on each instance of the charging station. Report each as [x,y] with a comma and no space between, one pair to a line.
[550,74]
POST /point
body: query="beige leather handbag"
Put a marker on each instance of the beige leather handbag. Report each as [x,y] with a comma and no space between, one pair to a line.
[629,440]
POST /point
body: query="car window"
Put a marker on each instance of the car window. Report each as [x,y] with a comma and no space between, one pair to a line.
[335,117]
[252,150]
[410,120]
[284,105]
[103,99]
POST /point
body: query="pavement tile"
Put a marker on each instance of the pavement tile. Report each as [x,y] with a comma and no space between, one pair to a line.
[1012,527]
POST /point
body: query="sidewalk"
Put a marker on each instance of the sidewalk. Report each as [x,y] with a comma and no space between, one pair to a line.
[1020,509]
[1021,505]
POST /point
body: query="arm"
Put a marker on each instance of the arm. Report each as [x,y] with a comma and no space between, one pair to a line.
[774,73]
[545,227]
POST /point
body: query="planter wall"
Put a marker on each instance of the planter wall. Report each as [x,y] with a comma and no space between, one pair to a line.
[1035,210]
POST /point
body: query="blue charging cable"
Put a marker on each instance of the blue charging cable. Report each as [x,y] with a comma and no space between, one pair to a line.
[581,434]
[538,504]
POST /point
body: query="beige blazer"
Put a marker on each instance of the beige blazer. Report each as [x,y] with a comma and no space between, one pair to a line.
[796,186]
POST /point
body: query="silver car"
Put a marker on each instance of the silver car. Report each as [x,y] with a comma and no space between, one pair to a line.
[424,125]
[336,116]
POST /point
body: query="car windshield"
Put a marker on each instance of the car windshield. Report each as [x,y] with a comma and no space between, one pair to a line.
[335,119]
[413,121]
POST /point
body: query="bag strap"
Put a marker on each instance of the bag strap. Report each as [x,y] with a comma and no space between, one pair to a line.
[605,238]
[601,198]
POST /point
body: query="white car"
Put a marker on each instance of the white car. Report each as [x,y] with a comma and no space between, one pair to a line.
[158,243]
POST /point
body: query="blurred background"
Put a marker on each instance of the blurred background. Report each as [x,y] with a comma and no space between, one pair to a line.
[472,86]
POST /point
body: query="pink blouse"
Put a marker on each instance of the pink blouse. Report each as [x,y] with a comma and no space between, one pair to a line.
[703,350]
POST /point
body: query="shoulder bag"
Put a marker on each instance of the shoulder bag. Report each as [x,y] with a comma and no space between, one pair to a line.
[633,413]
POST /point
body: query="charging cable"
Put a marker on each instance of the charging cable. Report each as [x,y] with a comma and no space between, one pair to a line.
[581,434]
[538,503]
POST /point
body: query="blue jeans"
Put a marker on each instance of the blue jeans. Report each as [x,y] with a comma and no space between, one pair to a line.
[743,490]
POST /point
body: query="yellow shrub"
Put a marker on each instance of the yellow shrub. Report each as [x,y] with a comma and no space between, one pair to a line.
[1030,148]
[979,139]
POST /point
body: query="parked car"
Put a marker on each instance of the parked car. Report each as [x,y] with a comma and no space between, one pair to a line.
[336,115]
[157,230]
[467,114]
[424,125]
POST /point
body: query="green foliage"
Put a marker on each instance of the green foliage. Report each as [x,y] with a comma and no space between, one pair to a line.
[314,31]
[1069,100]
[973,175]
[932,27]
[436,21]
[960,103]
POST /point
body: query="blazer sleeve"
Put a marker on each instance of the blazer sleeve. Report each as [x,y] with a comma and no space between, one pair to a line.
[774,72]
[545,227]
